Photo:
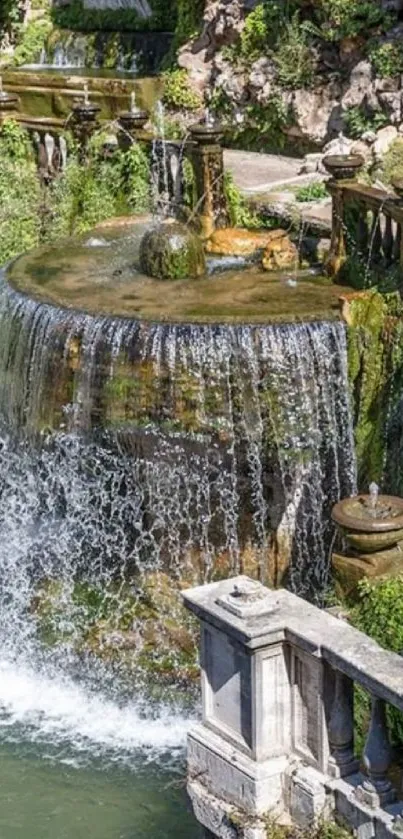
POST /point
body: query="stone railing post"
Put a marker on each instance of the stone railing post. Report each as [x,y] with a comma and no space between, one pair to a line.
[341,728]
[338,252]
[207,158]
[377,789]
[238,756]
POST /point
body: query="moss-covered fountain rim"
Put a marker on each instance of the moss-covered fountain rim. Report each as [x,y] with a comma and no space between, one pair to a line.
[101,281]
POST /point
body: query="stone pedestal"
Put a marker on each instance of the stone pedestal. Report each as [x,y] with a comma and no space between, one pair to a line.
[260,704]
[349,570]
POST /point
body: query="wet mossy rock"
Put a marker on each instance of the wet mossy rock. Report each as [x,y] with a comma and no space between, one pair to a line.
[172,252]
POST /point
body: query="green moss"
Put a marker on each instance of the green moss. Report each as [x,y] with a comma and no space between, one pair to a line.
[172,252]
[375,358]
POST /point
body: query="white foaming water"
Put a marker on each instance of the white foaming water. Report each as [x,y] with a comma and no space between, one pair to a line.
[58,711]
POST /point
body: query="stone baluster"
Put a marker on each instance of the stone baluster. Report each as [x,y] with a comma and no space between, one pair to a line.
[377,789]
[376,239]
[397,250]
[387,245]
[341,728]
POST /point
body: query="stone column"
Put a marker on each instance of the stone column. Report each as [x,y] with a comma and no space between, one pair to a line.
[208,163]
[238,756]
[337,254]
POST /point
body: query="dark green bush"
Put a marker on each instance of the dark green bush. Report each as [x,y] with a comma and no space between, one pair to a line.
[379,613]
[359,119]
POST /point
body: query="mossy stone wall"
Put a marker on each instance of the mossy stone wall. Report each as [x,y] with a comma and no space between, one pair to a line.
[375,357]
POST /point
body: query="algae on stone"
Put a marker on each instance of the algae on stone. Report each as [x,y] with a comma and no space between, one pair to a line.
[172,252]
[375,357]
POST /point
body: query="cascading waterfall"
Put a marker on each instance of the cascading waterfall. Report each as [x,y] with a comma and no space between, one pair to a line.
[129,447]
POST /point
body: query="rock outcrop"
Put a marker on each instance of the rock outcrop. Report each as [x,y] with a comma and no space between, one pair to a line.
[345,77]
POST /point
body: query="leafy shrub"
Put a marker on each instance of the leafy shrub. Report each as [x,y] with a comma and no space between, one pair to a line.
[135,178]
[379,613]
[262,29]
[315,191]
[31,39]
[293,57]
[78,198]
[14,142]
[189,18]
[178,93]
[358,120]
[387,58]
[340,19]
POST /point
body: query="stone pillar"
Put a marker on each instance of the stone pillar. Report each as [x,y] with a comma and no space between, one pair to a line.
[238,756]
[338,253]
[377,789]
[208,163]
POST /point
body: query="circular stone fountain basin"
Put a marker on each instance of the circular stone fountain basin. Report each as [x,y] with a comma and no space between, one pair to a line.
[369,529]
[99,273]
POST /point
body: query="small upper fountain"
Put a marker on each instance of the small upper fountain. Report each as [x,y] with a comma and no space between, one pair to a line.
[135,118]
[372,527]
[84,120]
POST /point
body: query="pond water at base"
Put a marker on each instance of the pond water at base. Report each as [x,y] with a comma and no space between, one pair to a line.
[75,766]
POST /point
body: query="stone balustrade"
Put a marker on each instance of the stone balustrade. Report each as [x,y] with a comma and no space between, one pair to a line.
[366,224]
[277,732]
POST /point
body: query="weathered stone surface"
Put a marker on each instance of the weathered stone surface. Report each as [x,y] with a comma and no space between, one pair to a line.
[312,163]
[391,103]
[384,139]
[316,112]
[363,149]
[280,253]
[359,86]
[307,796]
[252,786]
[316,651]
[233,241]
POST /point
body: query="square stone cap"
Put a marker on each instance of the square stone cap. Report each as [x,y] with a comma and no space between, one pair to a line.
[271,616]
[240,606]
